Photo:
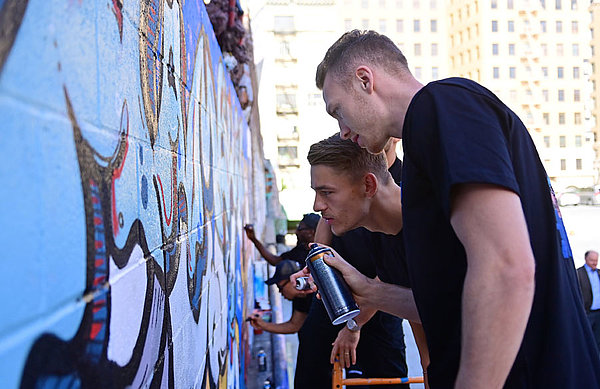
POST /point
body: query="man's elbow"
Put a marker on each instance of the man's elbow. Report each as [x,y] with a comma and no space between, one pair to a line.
[520,275]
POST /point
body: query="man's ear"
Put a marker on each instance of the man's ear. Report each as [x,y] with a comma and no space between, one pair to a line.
[371,185]
[364,75]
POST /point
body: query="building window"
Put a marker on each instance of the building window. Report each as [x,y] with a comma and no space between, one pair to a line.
[545,71]
[418,72]
[494,4]
[543,3]
[561,95]
[434,49]
[512,72]
[285,101]
[511,49]
[558,26]
[577,118]
[399,25]
[433,25]
[381,3]
[573,5]
[511,26]
[543,25]
[494,49]
[575,72]
[513,94]
[576,95]
[560,72]
[399,4]
[575,49]
[432,4]
[547,141]
[558,4]
[510,4]
[546,117]
[382,25]
[417,48]
[283,24]
[578,164]
[577,140]
[364,3]
[574,27]
[496,72]
[365,23]
[494,26]
[544,49]
[288,155]
[416,25]
[562,141]
[561,118]
[560,49]
[563,164]
[434,73]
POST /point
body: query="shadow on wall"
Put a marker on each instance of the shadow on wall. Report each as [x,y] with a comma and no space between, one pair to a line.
[127,161]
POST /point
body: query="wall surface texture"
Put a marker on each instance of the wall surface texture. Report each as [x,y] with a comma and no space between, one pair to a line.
[125,182]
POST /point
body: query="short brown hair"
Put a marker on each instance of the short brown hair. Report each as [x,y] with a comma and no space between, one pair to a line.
[345,156]
[355,45]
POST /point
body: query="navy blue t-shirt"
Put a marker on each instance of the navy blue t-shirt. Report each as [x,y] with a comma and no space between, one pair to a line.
[455,132]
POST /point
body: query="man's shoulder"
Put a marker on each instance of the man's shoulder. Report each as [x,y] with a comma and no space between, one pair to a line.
[463,84]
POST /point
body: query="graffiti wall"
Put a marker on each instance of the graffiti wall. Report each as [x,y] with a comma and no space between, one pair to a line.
[124,165]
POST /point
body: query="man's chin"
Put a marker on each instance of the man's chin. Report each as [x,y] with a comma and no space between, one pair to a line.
[338,231]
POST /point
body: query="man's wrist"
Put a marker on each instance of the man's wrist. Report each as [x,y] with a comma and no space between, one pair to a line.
[353,326]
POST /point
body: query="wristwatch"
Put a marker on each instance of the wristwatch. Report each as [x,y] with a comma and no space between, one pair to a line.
[352,325]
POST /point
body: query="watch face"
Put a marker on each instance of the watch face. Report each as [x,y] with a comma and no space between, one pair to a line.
[351,324]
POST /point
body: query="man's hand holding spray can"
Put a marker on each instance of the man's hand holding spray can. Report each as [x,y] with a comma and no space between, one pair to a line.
[334,291]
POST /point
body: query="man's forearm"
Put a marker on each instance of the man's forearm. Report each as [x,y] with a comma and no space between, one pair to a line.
[496,309]
[393,299]
[266,254]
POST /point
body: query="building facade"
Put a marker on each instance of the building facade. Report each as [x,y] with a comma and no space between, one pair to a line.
[534,54]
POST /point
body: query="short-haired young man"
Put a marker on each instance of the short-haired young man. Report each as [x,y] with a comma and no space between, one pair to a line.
[491,269]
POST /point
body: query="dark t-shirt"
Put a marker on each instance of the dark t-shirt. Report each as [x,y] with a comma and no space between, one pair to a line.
[297,254]
[302,304]
[455,132]
[388,250]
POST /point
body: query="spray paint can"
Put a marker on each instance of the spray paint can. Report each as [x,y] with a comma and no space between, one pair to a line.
[302,283]
[336,295]
[262,360]
[267,383]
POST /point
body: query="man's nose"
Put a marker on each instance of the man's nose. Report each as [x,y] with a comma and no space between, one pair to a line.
[344,131]
[317,205]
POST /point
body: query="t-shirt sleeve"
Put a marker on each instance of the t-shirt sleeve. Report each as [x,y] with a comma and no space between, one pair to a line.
[457,136]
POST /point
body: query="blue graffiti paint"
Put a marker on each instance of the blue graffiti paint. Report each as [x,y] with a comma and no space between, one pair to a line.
[144,191]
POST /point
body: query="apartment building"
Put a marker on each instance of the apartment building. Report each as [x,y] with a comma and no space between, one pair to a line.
[534,54]
[595,77]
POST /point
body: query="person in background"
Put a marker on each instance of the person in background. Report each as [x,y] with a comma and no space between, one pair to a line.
[301,300]
[589,282]
[305,232]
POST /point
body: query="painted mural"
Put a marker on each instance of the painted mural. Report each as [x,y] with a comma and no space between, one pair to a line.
[125,162]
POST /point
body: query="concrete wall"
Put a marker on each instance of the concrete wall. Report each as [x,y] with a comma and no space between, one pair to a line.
[125,168]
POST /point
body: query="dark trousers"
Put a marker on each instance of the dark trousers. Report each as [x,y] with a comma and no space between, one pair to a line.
[594,319]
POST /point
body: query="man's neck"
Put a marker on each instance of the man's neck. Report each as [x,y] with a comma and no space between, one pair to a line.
[386,210]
